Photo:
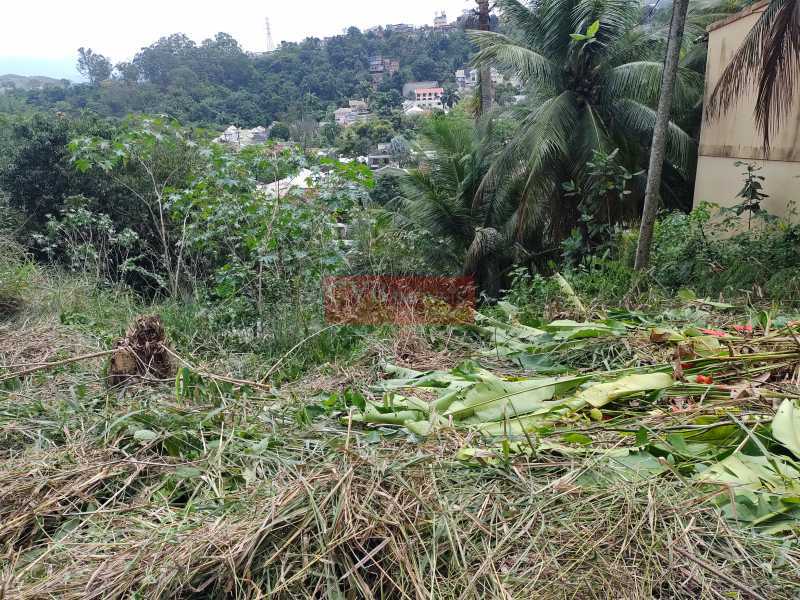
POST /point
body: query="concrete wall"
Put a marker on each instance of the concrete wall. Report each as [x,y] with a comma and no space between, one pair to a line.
[734,136]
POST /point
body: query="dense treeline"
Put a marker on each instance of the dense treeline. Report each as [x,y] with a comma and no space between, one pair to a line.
[216,82]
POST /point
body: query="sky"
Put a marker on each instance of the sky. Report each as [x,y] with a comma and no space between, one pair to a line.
[41,37]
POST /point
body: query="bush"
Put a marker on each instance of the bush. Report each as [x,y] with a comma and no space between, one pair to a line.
[709,252]
[15,275]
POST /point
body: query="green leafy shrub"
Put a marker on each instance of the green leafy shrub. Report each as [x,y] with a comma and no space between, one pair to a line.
[15,275]
[709,251]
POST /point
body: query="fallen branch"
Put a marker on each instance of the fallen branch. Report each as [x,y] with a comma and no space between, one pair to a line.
[214,377]
[58,363]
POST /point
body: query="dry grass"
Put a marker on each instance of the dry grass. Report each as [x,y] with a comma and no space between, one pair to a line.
[255,503]
[358,527]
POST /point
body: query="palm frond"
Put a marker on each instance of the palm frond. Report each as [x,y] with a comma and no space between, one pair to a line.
[638,43]
[616,17]
[557,24]
[769,59]
[500,51]
[636,118]
[522,19]
[641,81]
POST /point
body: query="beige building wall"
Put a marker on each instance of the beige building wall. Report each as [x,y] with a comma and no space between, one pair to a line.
[734,136]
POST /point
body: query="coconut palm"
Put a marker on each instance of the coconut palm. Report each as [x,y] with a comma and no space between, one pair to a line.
[455,155]
[593,73]
[769,59]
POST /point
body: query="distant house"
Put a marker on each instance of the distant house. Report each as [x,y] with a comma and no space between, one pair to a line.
[241,138]
[411,86]
[440,21]
[466,78]
[376,161]
[358,110]
[400,28]
[429,97]
[410,109]
[376,64]
[300,183]
[391,65]
[734,136]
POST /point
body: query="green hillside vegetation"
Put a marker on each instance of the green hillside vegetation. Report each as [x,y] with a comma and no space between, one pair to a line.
[267,370]
[216,82]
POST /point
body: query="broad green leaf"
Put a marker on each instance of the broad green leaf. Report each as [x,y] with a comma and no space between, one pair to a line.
[145,435]
[713,304]
[593,29]
[600,394]
[577,438]
[748,474]
[188,473]
[786,426]
[498,399]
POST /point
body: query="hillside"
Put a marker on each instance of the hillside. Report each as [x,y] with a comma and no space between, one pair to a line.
[26,83]
[217,83]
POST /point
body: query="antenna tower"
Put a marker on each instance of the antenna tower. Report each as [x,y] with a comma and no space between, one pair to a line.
[270,43]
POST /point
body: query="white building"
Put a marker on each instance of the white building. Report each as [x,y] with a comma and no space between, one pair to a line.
[429,98]
[358,110]
[240,138]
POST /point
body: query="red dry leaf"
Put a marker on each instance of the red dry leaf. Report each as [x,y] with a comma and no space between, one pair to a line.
[704,379]
[743,328]
[714,332]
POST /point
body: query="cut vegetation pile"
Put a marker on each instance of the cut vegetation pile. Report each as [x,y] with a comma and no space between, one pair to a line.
[636,456]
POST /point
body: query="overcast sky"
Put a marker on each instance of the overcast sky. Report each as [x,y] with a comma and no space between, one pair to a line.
[38,33]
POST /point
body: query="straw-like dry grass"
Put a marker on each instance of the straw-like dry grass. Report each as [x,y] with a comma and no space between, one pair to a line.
[210,493]
[352,526]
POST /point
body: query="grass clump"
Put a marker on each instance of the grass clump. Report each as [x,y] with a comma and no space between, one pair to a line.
[16,271]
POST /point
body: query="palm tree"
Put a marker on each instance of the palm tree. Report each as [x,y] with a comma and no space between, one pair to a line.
[769,58]
[593,76]
[439,195]
[679,10]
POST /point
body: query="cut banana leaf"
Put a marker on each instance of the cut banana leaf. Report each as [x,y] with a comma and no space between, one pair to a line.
[786,426]
[600,394]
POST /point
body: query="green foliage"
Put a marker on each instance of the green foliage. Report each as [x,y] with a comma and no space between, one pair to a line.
[603,204]
[35,170]
[216,82]
[16,272]
[95,67]
[752,193]
[714,254]
[151,158]
[279,131]
[587,92]
[89,242]
[361,138]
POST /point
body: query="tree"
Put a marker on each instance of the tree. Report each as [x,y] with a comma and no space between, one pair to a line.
[450,96]
[150,158]
[594,83]
[128,72]
[658,149]
[769,59]
[485,73]
[95,67]
[384,103]
[360,138]
[440,196]
[279,131]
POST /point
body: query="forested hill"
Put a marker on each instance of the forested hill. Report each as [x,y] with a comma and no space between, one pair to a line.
[217,83]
